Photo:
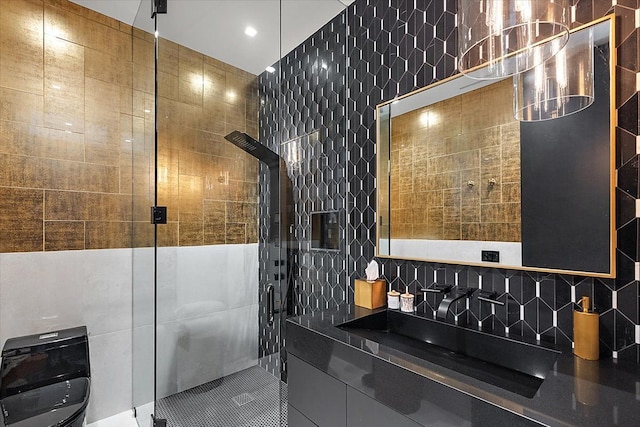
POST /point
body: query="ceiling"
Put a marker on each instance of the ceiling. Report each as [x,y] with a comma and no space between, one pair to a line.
[216,27]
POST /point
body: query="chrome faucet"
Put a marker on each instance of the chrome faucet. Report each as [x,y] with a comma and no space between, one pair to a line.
[457,294]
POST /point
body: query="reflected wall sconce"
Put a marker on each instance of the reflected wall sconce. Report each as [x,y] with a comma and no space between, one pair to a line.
[560,86]
[501,38]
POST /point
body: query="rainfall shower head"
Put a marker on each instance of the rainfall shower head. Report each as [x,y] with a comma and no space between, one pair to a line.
[243,141]
[253,147]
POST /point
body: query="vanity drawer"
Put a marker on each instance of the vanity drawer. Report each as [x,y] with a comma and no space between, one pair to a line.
[296,419]
[363,411]
[316,395]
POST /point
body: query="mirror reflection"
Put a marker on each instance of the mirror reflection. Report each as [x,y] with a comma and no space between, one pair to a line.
[462,181]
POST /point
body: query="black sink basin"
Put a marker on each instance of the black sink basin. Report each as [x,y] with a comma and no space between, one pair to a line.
[514,365]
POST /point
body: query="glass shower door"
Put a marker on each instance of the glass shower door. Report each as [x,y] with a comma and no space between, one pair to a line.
[214,284]
[143,264]
[220,185]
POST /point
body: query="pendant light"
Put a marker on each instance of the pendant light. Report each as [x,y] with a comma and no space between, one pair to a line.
[561,86]
[500,38]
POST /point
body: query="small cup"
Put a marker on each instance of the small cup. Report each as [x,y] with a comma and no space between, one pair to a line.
[393,300]
[407,303]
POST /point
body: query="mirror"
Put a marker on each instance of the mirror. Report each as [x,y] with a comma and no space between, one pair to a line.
[461,181]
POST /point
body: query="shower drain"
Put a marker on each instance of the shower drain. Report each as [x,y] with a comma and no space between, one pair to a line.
[243,399]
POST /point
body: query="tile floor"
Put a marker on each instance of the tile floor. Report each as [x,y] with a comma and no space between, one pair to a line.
[249,398]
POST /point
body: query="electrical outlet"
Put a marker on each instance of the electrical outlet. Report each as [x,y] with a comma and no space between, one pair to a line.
[490,256]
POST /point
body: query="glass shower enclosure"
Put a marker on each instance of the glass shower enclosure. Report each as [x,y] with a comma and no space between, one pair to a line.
[210,276]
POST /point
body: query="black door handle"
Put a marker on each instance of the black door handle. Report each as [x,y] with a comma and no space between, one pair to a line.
[270,304]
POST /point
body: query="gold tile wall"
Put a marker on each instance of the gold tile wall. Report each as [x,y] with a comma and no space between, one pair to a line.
[77,136]
[438,150]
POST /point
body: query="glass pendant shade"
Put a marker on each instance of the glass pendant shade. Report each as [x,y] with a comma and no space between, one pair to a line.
[500,38]
[560,86]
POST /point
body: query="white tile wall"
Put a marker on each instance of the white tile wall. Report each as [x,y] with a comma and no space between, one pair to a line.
[241,347]
[143,291]
[208,315]
[40,292]
[167,280]
[106,290]
[142,381]
[204,348]
[111,381]
[46,291]
[142,328]
[207,309]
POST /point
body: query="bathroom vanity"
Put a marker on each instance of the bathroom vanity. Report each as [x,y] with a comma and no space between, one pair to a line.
[359,367]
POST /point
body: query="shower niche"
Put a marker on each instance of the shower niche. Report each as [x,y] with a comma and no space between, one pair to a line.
[325,230]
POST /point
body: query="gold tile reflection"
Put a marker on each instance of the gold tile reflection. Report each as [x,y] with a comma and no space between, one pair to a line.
[190,233]
[236,233]
[461,158]
[215,234]
[191,209]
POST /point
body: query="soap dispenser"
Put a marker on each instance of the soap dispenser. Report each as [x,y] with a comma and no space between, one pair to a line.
[586,333]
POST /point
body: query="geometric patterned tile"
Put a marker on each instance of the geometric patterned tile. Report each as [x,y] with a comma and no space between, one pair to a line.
[302,117]
[628,115]
[386,49]
[628,239]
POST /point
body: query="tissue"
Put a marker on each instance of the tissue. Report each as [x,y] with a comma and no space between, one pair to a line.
[372,271]
[370,292]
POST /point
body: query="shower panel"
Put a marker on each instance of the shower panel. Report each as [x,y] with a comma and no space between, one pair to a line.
[282,244]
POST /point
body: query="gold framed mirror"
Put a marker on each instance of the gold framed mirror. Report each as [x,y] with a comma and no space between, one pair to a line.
[460,181]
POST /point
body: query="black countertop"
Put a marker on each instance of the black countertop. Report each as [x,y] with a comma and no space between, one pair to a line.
[575,393]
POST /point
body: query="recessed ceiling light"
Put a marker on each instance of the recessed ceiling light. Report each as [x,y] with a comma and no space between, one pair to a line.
[55,86]
[270,69]
[250,31]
